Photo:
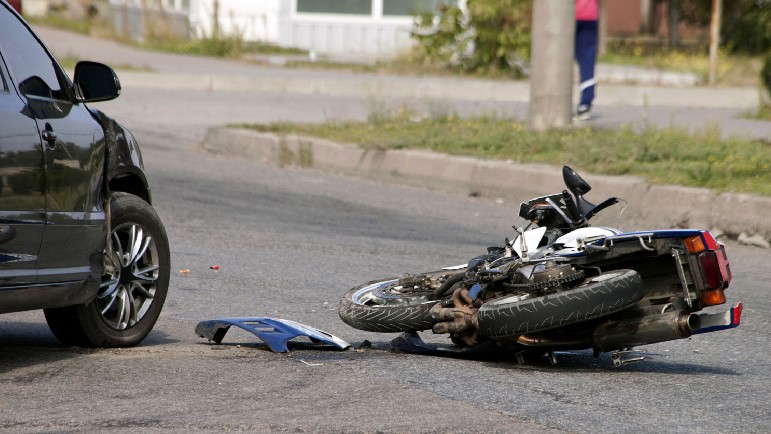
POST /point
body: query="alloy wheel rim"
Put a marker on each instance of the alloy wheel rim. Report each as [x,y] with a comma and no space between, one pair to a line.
[130,279]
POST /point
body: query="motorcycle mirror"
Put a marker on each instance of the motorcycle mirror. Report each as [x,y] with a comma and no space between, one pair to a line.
[574,182]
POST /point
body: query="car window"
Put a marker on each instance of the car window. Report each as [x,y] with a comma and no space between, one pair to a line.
[32,67]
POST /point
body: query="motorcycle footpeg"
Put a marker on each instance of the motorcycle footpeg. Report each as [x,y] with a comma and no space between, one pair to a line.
[619,360]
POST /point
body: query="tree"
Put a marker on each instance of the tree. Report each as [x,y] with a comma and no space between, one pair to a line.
[745,24]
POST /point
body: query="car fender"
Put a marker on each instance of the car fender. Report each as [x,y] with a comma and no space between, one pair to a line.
[124,166]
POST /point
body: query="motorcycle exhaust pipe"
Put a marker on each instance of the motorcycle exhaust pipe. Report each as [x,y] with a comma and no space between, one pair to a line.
[550,342]
[618,335]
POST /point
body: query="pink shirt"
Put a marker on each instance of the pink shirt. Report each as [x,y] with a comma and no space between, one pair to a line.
[587,10]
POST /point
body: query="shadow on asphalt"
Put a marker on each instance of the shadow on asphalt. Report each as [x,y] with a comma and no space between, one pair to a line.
[567,361]
[25,344]
[584,361]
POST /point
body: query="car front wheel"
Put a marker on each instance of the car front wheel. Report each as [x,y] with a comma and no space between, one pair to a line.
[133,287]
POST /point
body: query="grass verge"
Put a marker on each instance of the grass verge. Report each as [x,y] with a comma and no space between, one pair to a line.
[733,69]
[763,113]
[662,156]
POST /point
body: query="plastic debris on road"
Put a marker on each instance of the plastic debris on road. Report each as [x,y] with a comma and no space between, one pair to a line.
[273,331]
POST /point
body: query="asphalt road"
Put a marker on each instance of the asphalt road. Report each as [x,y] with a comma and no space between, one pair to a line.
[289,243]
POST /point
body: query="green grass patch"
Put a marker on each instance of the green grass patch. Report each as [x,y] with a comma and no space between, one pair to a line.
[230,47]
[763,113]
[659,155]
[58,21]
[733,69]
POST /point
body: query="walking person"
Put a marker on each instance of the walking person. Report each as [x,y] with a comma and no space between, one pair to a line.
[587,15]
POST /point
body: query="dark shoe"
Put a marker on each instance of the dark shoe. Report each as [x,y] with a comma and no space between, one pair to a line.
[583,113]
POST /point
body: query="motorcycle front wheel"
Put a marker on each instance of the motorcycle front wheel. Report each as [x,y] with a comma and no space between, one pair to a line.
[385,306]
[595,297]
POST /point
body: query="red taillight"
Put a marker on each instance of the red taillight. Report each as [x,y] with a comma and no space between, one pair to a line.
[710,241]
[713,259]
[711,270]
[717,276]
[725,266]
[715,268]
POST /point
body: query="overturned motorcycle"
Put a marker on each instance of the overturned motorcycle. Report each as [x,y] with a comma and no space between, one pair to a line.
[561,284]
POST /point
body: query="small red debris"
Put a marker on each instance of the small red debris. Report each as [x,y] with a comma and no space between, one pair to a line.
[215,267]
[184,271]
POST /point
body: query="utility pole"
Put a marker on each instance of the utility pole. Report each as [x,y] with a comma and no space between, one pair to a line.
[551,78]
[714,39]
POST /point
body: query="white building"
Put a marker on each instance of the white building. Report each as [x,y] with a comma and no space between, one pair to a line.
[371,28]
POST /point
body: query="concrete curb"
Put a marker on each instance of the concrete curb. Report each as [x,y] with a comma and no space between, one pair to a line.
[735,215]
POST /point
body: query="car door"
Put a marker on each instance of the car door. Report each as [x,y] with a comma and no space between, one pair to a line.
[22,188]
[73,149]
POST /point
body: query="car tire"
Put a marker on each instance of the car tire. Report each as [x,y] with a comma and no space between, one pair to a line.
[133,287]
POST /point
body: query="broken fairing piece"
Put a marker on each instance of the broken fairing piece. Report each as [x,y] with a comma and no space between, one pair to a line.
[273,331]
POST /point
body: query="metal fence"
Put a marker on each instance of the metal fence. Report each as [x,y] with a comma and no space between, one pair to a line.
[139,23]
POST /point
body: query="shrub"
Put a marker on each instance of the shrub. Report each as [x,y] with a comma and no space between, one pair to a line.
[492,35]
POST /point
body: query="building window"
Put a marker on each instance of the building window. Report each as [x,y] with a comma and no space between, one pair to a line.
[411,7]
[350,7]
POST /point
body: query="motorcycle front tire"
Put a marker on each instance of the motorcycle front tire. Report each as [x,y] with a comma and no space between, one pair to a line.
[397,313]
[595,297]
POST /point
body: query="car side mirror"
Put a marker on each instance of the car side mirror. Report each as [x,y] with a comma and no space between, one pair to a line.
[95,82]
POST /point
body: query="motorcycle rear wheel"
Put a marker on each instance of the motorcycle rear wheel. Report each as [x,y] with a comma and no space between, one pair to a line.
[379,306]
[597,296]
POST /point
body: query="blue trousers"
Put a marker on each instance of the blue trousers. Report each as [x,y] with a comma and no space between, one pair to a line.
[586,56]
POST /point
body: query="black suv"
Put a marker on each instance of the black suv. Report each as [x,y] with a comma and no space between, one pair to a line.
[78,235]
